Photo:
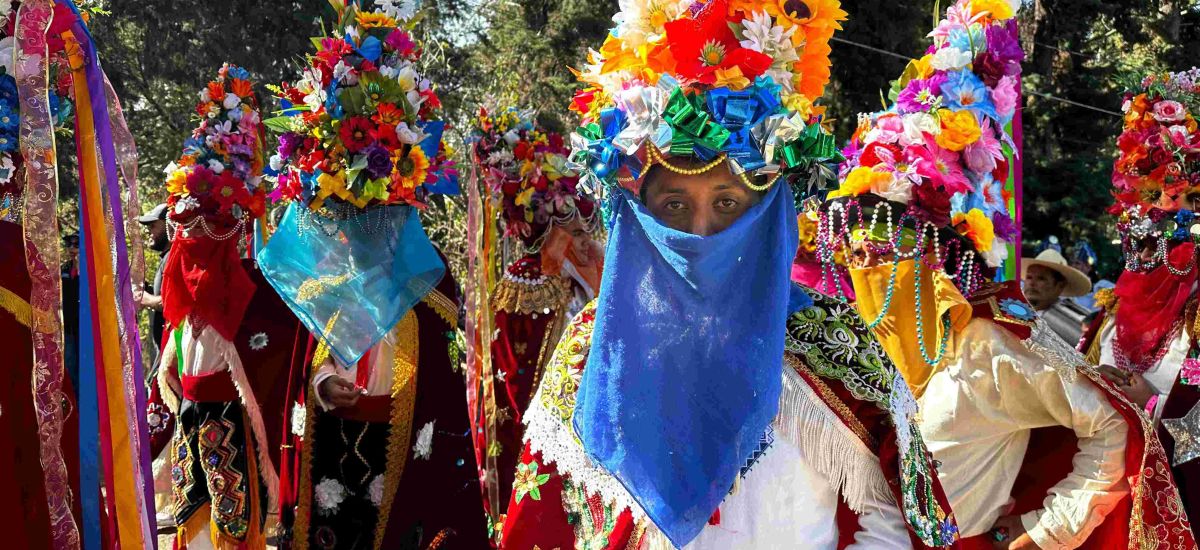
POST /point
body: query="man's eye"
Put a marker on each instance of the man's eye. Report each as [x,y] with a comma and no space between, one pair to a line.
[674,206]
[727,204]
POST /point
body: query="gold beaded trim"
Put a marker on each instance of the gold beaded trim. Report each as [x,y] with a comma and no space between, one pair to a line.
[656,157]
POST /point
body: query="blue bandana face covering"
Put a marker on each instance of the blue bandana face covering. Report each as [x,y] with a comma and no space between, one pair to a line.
[684,373]
[350,281]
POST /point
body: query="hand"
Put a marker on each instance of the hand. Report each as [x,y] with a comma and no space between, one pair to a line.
[339,392]
[1138,390]
[150,301]
[1113,374]
[1013,531]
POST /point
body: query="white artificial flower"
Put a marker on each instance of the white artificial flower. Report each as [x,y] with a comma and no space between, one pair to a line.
[299,415]
[6,53]
[641,21]
[231,101]
[216,166]
[6,11]
[276,162]
[344,74]
[499,158]
[400,10]
[375,490]
[213,111]
[424,447]
[409,134]
[330,495]
[898,190]
[916,125]
[950,59]
[415,99]
[511,137]
[407,78]
[186,203]
[997,254]
[171,168]
[6,168]
[761,34]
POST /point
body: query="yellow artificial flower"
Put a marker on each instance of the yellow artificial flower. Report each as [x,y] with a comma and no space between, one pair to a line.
[861,180]
[924,66]
[1000,10]
[975,225]
[176,181]
[369,20]
[412,169]
[959,129]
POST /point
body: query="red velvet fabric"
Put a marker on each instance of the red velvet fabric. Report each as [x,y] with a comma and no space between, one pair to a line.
[1152,305]
[205,278]
[213,387]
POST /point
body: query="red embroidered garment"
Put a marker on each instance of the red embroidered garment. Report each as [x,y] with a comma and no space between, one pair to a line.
[1152,309]
[1152,510]
[204,278]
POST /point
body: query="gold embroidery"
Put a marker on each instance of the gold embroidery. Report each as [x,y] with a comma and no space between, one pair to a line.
[554,331]
[304,506]
[520,297]
[443,306]
[404,398]
[322,352]
[24,313]
[831,399]
[313,288]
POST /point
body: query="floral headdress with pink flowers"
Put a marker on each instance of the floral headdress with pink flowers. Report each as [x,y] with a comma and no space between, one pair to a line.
[1156,177]
[358,126]
[931,169]
[526,175]
[216,186]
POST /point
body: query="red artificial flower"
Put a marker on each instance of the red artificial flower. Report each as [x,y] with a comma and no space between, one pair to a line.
[870,155]
[257,203]
[523,150]
[310,161]
[703,44]
[332,51]
[226,191]
[199,181]
[1001,171]
[385,134]
[356,133]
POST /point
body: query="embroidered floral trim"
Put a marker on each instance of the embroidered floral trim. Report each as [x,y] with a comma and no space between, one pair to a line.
[530,296]
[529,481]
[329,494]
[259,341]
[423,449]
[375,490]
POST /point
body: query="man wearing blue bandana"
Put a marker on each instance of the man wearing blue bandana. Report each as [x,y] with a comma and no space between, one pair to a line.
[703,400]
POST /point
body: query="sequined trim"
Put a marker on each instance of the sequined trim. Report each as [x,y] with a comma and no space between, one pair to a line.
[441,304]
[525,296]
[404,398]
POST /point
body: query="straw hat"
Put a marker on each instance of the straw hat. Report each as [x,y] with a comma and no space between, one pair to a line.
[1078,284]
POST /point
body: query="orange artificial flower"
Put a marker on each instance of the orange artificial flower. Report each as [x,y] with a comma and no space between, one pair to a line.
[975,225]
[216,92]
[241,88]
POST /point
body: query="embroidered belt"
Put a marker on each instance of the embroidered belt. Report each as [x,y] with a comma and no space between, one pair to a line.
[215,387]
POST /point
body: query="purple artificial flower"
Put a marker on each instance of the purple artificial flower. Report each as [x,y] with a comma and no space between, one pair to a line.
[379,161]
[1003,226]
[1002,43]
[288,143]
[920,94]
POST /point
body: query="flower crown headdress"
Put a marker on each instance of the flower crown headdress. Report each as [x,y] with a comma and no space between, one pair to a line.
[358,126]
[1156,177]
[215,188]
[717,80]
[525,172]
[930,170]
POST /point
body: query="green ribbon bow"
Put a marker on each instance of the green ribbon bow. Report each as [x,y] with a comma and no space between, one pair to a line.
[692,126]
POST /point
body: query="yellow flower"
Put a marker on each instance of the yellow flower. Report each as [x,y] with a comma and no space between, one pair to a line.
[959,129]
[975,225]
[369,20]
[999,10]
[924,66]
[861,180]
[412,169]
[175,182]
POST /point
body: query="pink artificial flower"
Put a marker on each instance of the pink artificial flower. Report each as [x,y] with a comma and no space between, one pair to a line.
[888,129]
[940,166]
[982,155]
[1180,136]
[1005,97]
[1191,371]
[1169,111]
[958,16]
[400,41]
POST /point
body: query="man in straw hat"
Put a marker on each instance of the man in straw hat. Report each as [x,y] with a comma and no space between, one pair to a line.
[1049,279]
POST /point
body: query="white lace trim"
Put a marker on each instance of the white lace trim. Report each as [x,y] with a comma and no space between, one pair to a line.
[1057,353]
[804,420]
